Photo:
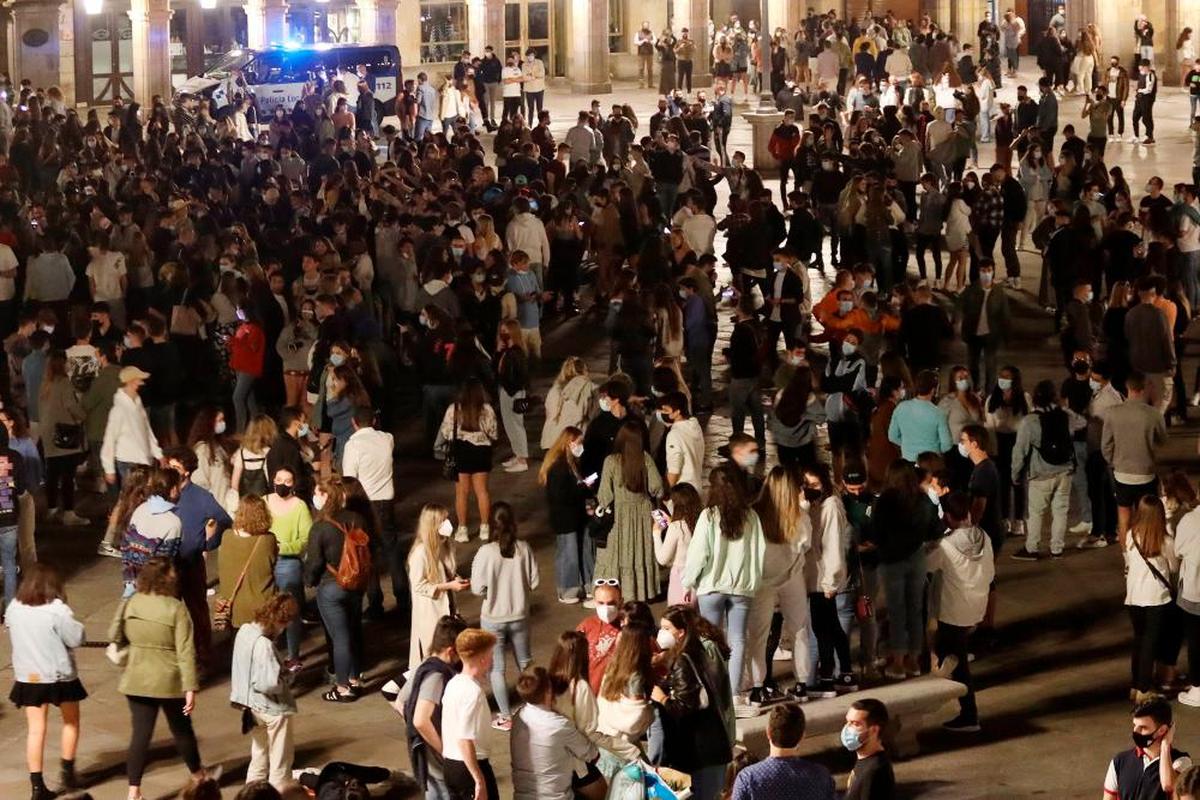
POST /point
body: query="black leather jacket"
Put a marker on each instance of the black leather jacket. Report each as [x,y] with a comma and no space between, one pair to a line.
[696,736]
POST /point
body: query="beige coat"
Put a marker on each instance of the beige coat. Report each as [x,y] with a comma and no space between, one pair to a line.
[572,404]
[429,604]
[59,406]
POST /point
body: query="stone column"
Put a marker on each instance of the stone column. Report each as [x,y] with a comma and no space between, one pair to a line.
[35,50]
[786,14]
[377,21]
[589,47]
[486,27]
[266,22]
[408,36]
[151,49]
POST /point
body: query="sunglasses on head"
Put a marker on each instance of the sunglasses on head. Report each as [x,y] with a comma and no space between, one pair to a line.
[607,582]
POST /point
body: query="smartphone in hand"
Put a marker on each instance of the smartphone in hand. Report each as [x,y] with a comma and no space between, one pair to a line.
[590,480]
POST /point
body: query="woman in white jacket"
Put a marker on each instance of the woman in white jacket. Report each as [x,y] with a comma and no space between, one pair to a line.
[787,527]
[575,701]
[623,710]
[571,401]
[1151,564]
[128,438]
[825,575]
[44,631]
[964,559]
[504,573]
[431,575]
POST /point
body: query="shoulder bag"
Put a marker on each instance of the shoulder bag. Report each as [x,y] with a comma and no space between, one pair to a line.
[222,617]
[1170,587]
[449,463]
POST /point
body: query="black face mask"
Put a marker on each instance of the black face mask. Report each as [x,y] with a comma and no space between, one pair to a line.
[283,490]
[1142,740]
[812,495]
[1080,367]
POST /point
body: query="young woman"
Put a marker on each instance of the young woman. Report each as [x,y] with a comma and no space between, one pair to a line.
[566,493]
[16,424]
[341,609]
[249,474]
[247,349]
[291,523]
[1152,565]
[505,574]
[61,418]
[207,439]
[160,673]
[787,529]
[795,416]
[826,575]
[261,686]
[571,401]
[672,540]
[623,711]
[343,395]
[958,232]
[44,632]
[294,346]
[512,375]
[725,562]
[628,481]
[573,698]
[962,407]
[432,576]
[544,749]
[153,529]
[247,557]
[696,740]
[1006,406]
[468,430]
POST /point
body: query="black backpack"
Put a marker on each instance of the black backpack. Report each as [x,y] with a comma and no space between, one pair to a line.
[254,476]
[1056,447]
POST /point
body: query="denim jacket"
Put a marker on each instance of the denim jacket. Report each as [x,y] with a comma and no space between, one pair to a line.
[257,678]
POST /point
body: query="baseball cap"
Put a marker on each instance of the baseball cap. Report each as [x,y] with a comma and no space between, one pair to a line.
[132,373]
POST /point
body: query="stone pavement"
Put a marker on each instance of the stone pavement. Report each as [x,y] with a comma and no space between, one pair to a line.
[1052,696]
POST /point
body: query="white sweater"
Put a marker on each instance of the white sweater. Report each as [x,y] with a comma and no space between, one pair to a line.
[1187,549]
[685,451]
[368,457]
[504,583]
[964,557]
[1142,587]
[127,435]
[825,570]
[42,639]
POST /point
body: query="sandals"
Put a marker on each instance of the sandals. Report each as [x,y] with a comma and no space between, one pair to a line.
[334,696]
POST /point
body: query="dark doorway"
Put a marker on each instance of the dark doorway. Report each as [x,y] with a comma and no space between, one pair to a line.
[1040,12]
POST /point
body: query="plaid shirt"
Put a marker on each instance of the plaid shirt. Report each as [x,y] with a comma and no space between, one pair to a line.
[989,209]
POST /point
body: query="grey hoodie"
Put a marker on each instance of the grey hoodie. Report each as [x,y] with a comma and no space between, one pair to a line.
[964,558]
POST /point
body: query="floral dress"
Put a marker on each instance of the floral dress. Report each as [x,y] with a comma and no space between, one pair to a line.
[629,556]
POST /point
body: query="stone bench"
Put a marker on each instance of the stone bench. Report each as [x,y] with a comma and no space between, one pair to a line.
[908,704]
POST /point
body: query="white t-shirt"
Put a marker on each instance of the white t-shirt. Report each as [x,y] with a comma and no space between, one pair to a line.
[106,270]
[511,89]
[8,262]
[465,715]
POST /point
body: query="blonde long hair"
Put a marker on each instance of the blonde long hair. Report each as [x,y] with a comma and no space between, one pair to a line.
[780,507]
[428,538]
[512,329]
[561,449]
[572,367]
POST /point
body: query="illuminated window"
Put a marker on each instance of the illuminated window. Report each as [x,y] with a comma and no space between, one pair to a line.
[443,30]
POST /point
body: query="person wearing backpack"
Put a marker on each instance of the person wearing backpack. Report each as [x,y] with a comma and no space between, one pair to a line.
[250,474]
[1045,447]
[339,572]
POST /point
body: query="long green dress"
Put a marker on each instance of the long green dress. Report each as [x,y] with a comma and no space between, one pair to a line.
[629,556]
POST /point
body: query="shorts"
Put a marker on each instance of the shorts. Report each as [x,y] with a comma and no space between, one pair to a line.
[472,459]
[1129,494]
[722,70]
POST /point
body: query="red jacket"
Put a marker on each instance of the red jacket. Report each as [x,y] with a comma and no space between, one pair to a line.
[246,349]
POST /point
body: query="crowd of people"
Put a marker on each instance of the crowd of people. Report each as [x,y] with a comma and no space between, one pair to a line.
[219,321]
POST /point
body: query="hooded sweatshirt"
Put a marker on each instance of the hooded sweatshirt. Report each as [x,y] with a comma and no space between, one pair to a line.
[964,557]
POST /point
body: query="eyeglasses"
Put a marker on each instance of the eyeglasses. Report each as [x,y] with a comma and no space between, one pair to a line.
[607,582]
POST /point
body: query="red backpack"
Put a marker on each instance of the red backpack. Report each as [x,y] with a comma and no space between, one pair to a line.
[354,567]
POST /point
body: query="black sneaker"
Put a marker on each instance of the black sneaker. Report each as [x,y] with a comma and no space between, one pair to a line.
[765,696]
[826,689]
[961,724]
[846,683]
[798,693]
[1024,555]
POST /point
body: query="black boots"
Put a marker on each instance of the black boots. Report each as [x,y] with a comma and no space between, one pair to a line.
[67,778]
[39,790]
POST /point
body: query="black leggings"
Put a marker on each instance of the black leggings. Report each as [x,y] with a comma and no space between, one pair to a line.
[144,713]
[929,242]
[951,640]
[1149,625]
[830,636]
[462,785]
[60,479]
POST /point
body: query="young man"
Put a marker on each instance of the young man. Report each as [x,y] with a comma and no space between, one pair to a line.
[918,426]
[368,457]
[1044,446]
[872,777]
[745,358]
[602,629]
[287,452]
[1130,433]
[1142,772]
[466,719]
[784,773]
[685,441]
[1101,489]
[983,488]
[964,557]
[128,438]
[602,430]
[420,703]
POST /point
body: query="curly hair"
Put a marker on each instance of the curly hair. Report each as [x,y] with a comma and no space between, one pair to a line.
[274,615]
[158,576]
[252,516]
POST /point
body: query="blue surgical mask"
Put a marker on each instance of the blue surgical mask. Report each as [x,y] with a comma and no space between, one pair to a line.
[848,348]
[845,306]
[337,359]
[851,738]
[1095,384]
[303,432]
[985,278]
[1004,383]
[962,384]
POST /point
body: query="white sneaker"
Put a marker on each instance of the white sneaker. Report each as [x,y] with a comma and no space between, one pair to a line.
[106,549]
[52,513]
[485,532]
[1016,283]
[1081,527]
[570,600]
[1196,399]
[517,466]
[461,534]
[589,603]
[1191,697]
[946,667]
[1134,140]
[742,708]
[74,520]
[509,462]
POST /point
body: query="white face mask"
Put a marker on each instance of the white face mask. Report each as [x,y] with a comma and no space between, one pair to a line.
[1095,384]
[666,639]
[577,449]
[903,392]
[605,404]
[963,450]
[606,613]
[1004,383]
[445,529]
[748,461]
[849,348]
[318,501]
[219,427]
[962,384]
[934,497]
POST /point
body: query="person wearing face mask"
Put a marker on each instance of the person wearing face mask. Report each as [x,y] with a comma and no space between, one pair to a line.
[290,523]
[919,426]
[1142,771]
[685,441]
[602,429]
[1005,407]
[872,777]
[289,451]
[432,576]
[566,493]
[1103,395]
[986,323]
[295,346]
[962,407]
[1045,447]
[602,629]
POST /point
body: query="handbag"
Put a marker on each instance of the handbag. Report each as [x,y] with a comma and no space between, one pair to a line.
[222,616]
[601,525]
[68,436]
[864,606]
[118,649]
[449,463]
[1170,587]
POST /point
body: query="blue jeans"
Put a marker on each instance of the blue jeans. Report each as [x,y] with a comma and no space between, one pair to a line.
[574,560]
[8,559]
[341,611]
[1189,263]
[517,634]
[244,403]
[716,607]
[421,127]
[845,612]
[904,587]
[707,782]
[289,577]
[1194,99]
[435,789]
